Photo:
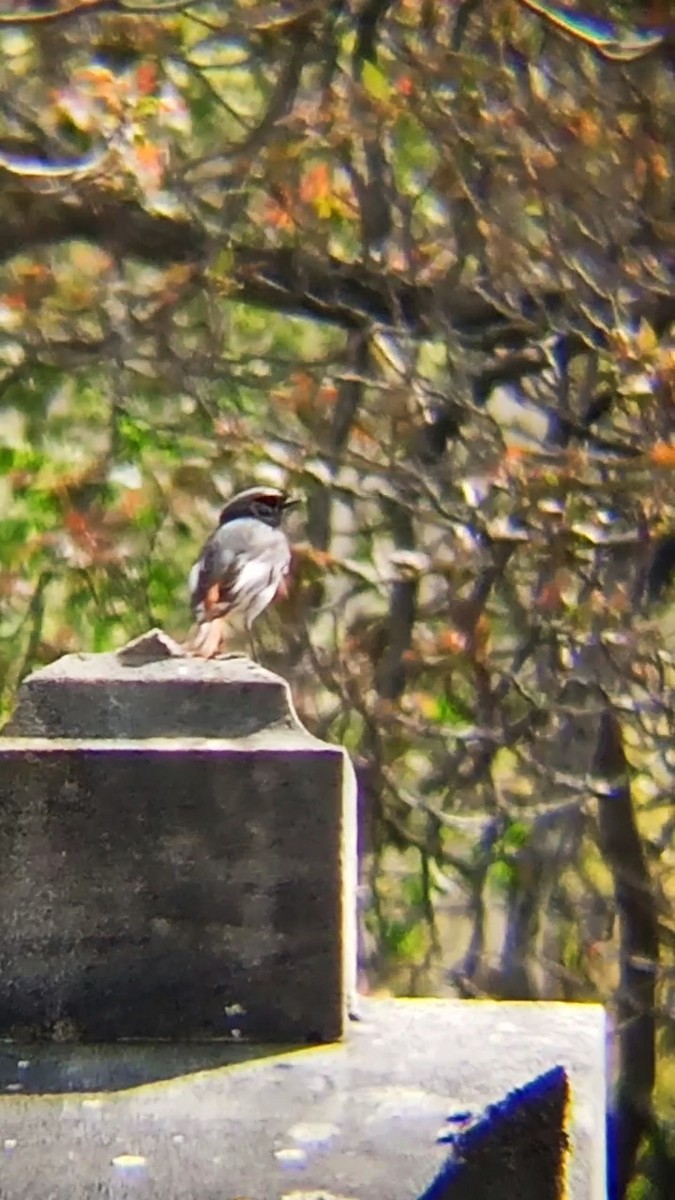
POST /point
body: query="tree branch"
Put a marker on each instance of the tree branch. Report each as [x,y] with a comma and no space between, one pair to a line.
[350,295]
[639,951]
[120,226]
[90,8]
[390,669]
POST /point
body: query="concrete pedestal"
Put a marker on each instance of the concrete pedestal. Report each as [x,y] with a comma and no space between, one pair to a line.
[366,1119]
[178,857]
[179,864]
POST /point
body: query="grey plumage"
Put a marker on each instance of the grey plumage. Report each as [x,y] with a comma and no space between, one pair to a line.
[242,566]
[249,561]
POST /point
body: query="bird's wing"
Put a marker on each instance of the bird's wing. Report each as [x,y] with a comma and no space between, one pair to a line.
[240,560]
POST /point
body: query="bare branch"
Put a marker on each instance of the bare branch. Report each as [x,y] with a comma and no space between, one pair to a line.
[639,949]
[89,8]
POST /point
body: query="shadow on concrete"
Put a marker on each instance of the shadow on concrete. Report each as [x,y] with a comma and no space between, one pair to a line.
[43,1068]
[516,1149]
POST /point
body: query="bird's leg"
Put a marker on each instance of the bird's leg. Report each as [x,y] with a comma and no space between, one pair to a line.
[206,642]
[253,647]
[230,654]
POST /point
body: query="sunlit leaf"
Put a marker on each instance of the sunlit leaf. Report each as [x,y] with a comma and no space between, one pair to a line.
[646,339]
[375,82]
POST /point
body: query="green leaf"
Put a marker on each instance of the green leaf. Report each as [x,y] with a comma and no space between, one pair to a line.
[165,582]
[451,711]
[7,456]
[375,83]
[413,149]
[43,504]
[404,941]
[516,835]
[501,875]
[412,889]
[224,263]
[14,531]
[413,944]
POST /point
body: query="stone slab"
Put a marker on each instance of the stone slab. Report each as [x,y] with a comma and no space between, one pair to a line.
[116,695]
[517,1150]
[176,889]
[360,1119]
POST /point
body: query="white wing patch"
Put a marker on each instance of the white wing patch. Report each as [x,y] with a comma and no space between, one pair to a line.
[249,577]
[256,586]
[193,577]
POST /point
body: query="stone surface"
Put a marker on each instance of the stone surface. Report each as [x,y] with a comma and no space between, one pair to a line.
[175,890]
[360,1119]
[130,695]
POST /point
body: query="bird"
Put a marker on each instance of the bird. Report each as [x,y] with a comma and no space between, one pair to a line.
[243,565]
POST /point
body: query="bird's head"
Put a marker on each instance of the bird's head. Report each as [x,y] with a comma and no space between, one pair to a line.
[265,504]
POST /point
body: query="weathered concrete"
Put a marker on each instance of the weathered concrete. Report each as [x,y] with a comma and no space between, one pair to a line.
[179,861]
[362,1119]
[157,884]
[176,891]
[131,694]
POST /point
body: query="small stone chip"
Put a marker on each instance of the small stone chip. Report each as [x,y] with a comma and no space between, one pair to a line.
[129,1161]
[153,646]
[291,1156]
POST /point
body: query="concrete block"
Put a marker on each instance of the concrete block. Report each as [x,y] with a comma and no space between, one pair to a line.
[365,1119]
[131,694]
[178,856]
[173,891]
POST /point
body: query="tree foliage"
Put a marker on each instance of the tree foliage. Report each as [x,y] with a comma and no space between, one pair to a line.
[416,260]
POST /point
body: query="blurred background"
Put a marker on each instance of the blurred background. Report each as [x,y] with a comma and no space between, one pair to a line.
[414,260]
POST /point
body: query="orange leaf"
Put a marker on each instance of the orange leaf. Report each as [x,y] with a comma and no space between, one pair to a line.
[277,215]
[146,78]
[32,271]
[585,127]
[663,454]
[105,85]
[327,394]
[659,166]
[548,598]
[303,386]
[150,160]
[15,300]
[405,85]
[452,640]
[78,525]
[316,184]
[130,504]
